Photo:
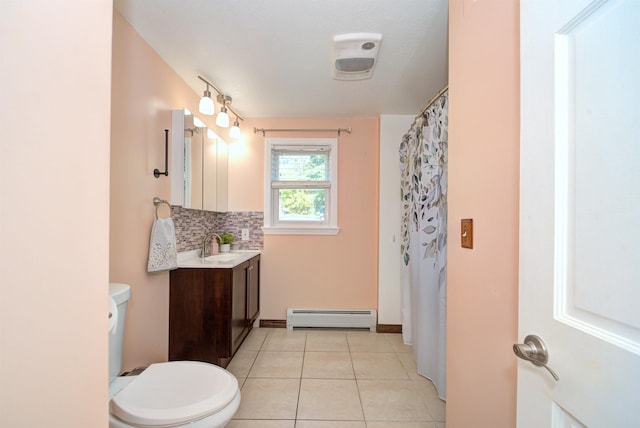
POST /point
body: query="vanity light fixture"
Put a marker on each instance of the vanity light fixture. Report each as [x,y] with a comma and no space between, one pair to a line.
[234,132]
[222,119]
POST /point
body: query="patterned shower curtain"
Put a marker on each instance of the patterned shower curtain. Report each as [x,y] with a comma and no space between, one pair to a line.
[423,159]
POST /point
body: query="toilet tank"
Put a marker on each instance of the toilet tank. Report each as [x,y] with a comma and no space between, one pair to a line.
[120,293]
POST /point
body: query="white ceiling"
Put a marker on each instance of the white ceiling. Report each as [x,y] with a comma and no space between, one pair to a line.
[274,57]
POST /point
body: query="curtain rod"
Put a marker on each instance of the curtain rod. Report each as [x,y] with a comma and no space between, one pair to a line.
[338,130]
[433,100]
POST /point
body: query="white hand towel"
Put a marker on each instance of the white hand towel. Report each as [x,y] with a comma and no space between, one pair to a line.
[163,254]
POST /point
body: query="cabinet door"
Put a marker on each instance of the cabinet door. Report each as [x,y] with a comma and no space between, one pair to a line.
[239,305]
[253,290]
[200,303]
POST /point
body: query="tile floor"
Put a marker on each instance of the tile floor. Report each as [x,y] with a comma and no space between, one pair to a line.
[331,379]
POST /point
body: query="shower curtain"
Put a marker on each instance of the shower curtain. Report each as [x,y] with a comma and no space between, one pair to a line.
[423,159]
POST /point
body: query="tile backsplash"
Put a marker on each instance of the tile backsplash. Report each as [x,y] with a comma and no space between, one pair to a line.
[233,222]
[191,226]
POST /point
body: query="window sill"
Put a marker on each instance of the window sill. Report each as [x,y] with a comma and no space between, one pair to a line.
[324,230]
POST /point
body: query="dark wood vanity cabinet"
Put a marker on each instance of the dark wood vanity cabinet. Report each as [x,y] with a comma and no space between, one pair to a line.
[212,310]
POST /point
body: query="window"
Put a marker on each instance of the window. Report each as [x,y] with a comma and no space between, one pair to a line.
[301,186]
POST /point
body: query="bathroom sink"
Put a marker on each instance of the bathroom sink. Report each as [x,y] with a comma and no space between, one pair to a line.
[192,259]
[222,258]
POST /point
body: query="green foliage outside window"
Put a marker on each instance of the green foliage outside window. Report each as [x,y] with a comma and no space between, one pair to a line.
[302,204]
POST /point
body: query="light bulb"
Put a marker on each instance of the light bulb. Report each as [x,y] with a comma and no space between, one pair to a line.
[198,123]
[223,118]
[234,132]
[206,104]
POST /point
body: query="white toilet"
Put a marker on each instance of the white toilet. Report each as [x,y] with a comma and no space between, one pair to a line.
[171,394]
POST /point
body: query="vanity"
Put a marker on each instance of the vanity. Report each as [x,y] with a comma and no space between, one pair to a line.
[213,303]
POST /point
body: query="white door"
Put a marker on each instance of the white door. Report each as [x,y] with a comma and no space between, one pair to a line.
[580,212]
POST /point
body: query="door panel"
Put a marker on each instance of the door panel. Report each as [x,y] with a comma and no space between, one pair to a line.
[239,306]
[253,290]
[597,156]
[580,211]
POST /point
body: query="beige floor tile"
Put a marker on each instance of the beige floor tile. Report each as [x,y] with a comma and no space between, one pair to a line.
[327,365]
[428,391]
[409,364]
[240,381]
[402,425]
[329,399]
[284,340]
[328,396]
[277,364]
[368,342]
[378,365]
[437,408]
[395,339]
[255,339]
[260,424]
[327,341]
[241,362]
[330,424]
[393,400]
[426,387]
[268,399]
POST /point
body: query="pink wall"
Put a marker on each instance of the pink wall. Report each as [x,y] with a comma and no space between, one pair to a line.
[54,213]
[316,271]
[483,185]
[144,91]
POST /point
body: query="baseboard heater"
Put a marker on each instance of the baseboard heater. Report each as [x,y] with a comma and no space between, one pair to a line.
[334,318]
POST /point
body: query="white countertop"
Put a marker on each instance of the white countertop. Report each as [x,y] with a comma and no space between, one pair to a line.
[192,259]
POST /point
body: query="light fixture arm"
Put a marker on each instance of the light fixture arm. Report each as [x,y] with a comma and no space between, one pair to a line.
[226,100]
[234,113]
[210,84]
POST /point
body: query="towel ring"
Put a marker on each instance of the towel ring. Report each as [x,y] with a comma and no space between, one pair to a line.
[157,201]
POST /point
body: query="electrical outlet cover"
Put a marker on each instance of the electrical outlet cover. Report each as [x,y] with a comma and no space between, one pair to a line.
[466,233]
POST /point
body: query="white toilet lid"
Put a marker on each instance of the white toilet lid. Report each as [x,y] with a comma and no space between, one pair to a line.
[176,392]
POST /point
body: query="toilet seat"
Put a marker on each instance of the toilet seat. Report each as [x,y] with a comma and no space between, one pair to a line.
[174,393]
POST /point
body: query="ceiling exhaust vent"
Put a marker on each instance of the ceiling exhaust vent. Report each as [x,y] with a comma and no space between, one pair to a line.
[354,55]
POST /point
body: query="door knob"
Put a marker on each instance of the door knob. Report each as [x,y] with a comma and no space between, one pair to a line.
[534,350]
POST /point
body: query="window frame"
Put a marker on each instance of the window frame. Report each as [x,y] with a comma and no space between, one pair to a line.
[272,224]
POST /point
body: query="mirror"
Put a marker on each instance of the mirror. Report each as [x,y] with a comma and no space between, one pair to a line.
[193,162]
[215,173]
[186,159]
[199,164]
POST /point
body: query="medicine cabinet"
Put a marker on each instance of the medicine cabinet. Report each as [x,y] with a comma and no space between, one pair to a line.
[199,165]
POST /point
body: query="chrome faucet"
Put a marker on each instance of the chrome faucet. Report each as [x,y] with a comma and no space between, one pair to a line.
[205,251]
